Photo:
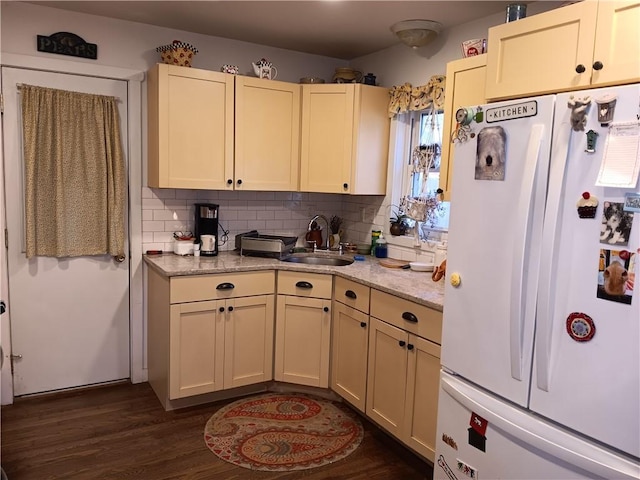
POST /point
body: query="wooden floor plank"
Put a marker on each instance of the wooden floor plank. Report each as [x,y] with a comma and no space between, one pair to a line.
[121,432]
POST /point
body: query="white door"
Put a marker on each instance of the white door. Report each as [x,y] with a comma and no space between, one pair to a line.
[69,316]
[494,245]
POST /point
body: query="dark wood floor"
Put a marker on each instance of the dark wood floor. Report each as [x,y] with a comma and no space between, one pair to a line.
[122,432]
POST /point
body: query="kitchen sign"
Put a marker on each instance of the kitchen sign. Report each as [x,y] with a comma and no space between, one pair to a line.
[511,112]
[65,43]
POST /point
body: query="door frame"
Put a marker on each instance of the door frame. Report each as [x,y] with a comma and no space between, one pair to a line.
[134,79]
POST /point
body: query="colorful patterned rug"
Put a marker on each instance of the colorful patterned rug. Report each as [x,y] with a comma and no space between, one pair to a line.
[283,432]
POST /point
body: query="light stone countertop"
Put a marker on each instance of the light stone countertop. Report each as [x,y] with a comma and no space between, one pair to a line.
[408,284]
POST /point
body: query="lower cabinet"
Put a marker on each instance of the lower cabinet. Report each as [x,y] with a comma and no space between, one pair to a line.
[209,332]
[303,326]
[404,370]
[350,341]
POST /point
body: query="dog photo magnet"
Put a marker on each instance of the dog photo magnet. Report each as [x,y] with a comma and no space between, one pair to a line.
[616,224]
[616,275]
[491,153]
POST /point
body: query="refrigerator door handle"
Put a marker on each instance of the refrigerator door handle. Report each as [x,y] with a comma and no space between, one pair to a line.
[547,258]
[517,317]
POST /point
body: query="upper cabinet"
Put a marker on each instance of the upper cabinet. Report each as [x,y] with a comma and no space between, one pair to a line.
[344,139]
[190,128]
[211,130]
[267,135]
[465,87]
[582,45]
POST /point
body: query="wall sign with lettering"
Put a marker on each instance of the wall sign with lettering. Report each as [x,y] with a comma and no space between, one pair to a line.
[65,43]
[510,112]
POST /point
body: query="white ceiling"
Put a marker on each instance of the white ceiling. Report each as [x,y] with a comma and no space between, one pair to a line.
[332,28]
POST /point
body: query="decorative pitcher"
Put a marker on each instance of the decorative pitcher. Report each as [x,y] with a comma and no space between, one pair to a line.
[265,69]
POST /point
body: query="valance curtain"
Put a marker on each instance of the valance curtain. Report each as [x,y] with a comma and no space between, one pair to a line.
[406,98]
[75,183]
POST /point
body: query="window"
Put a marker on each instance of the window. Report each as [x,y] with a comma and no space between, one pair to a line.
[425,145]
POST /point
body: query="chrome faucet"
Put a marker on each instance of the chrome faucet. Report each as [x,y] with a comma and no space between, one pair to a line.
[326,223]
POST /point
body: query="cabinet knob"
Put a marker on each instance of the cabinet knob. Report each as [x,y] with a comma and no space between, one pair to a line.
[239,182]
[598,65]
[231,309]
[580,68]
[350,294]
[345,185]
[229,181]
[363,324]
[410,347]
[326,309]
[221,309]
[402,343]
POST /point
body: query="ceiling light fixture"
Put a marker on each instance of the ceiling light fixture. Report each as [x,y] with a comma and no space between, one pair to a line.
[416,33]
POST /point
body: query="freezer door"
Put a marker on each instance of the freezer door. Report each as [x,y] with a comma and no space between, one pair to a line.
[494,246]
[593,385]
[481,437]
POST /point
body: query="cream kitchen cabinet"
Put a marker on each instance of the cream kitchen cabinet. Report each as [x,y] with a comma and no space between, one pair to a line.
[465,87]
[582,45]
[344,139]
[404,369]
[209,332]
[211,130]
[350,341]
[190,128]
[303,328]
[267,135]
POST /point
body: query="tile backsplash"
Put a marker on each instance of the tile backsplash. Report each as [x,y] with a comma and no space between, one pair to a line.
[165,211]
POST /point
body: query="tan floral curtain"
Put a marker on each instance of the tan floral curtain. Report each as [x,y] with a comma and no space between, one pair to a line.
[405,98]
[75,184]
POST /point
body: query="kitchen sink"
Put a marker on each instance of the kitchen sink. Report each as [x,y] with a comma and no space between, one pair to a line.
[319,260]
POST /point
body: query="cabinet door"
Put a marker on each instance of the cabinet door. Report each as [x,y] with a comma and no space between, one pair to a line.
[540,54]
[465,87]
[421,410]
[196,349]
[303,328]
[248,344]
[387,375]
[190,130]
[349,346]
[617,44]
[326,138]
[267,135]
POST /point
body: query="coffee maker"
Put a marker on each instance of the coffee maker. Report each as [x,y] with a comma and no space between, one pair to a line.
[206,224]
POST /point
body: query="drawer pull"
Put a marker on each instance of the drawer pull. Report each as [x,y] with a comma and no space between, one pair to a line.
[303,284]
[410,317]
[363,324]
[402,343]
[410,346]
[326,309]
[350,294]
[225,286]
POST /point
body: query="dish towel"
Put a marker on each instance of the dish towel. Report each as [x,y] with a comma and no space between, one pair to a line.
[75,184]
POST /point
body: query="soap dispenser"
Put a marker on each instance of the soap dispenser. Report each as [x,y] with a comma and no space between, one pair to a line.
[381,247]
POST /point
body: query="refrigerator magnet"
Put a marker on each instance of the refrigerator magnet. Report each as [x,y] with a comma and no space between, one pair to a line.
[616,275]
[592,136]
[491,154]
[579,107]
[580,327]
[478,423]
[616,224]
[587,205]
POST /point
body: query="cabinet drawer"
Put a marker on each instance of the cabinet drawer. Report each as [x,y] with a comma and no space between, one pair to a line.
[304,284]
[223,285]
[352,294]
[412,317]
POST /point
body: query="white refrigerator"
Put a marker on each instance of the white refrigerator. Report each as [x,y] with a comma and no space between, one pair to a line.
[541,330]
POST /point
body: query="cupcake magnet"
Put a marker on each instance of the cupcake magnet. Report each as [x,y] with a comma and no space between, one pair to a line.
[587,205]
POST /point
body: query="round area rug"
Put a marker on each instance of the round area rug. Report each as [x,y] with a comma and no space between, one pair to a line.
[283,432]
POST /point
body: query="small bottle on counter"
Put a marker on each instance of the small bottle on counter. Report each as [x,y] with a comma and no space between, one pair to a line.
[381,247]
[375,234]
